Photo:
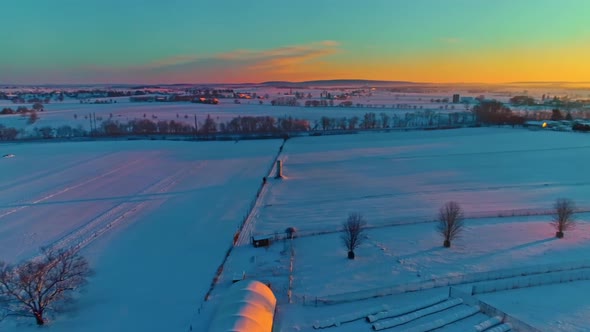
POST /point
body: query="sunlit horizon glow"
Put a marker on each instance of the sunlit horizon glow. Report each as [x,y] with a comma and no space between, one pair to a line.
[207,41]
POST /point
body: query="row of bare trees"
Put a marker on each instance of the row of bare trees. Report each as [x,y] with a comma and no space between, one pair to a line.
[451,219]
[451,223]
[238,125]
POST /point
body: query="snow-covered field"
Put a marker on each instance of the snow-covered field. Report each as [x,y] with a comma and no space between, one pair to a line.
[398,181]
[165,212]
[559,307]
[71,112]
[406,177]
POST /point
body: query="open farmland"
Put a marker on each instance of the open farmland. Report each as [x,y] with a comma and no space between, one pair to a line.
[164,212]
[155,218]
[506,180]
[78,115]
[405,177]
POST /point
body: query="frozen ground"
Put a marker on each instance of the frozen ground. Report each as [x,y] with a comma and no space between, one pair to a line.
[188,205]
[71,112]
[171,207]
[398,181]
[405,177]
[560,307]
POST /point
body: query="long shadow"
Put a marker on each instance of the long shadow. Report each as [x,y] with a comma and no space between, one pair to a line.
[43,174]
[129,199]
[518,247]
[419,253]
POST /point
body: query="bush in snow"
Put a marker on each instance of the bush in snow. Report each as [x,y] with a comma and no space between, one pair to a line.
[354,232]
[450,222]
[563,217]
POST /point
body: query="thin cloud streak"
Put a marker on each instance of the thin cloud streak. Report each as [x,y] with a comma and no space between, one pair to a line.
[242,64]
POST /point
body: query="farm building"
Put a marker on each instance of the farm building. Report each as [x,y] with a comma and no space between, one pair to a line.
[248,306]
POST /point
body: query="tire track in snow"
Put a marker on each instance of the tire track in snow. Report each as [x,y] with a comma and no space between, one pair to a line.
[429,192]
[71,187]
[97,226]
[41,175]
[489,153]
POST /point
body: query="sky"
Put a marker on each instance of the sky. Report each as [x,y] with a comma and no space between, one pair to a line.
[231,41]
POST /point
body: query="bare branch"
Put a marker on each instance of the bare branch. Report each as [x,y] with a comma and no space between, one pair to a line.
[450,222]
[353,235]
[563,217]
[34,287]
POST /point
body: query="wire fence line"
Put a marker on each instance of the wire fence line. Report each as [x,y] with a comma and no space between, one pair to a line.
[571,270]
[476,216]
[243,224]
[245,230]
[492,311]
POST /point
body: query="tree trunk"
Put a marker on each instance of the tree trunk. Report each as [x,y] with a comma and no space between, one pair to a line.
[559,235]
[39,318]
[351,254]
[447,244]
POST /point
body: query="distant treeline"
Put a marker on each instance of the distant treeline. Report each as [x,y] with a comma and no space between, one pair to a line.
[7,134]
[547,100]
[242,125]
[496,113]
[113,128]
[485,113]
[238,125]
[581,127]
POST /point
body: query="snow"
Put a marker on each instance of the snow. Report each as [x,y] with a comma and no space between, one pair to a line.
[500,328]
[438,323]
[496,320]
[414,173]
[381,325]
[345,318]
[156,218]
[403,310]
[398,181]
[558,307]
[249,305]
[152,269]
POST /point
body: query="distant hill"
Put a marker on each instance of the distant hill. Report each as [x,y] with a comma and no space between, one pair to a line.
[338,83]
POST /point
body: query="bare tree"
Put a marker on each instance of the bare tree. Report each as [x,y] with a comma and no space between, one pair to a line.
[450,222]
[354,232]
[563,217]
[38,286]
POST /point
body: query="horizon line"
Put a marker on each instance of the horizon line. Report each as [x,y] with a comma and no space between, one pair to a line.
[300,82]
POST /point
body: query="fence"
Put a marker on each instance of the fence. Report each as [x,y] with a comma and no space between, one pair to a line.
[492,311]
[236,237]
[472,216]
[531,281]
[446,281]
[243,234]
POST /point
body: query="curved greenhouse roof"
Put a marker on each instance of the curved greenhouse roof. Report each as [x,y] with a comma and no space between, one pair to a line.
[248,306]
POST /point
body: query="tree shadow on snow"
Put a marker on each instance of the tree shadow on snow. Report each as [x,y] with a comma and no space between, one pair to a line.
[122,199]
[517,247]
[419,253]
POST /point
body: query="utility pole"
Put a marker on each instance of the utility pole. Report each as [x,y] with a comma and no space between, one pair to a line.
[196,126]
